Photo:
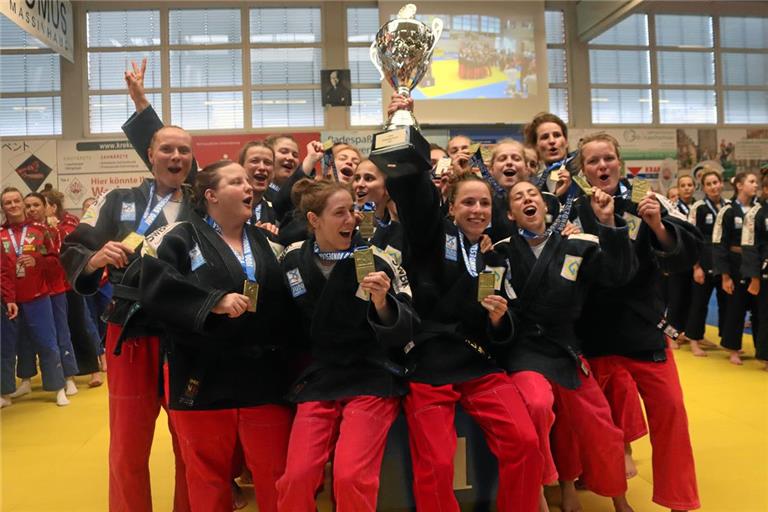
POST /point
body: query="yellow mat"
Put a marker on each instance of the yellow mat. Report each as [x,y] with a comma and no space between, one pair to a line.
[446,73]
[55,459]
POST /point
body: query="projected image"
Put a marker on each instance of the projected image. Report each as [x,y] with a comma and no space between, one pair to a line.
[481,57]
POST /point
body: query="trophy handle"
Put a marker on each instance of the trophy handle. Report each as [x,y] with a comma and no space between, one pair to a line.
[374,55]
[437,30]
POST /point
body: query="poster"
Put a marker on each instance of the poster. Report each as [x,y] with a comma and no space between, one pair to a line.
[98,156]
[28,164]
[79,187]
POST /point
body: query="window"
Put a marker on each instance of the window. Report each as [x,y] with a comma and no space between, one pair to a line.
[114,39]
[744,67]
[285,57]
[362,25]
[557,64]
[670,64]
[30,84]
[206,68]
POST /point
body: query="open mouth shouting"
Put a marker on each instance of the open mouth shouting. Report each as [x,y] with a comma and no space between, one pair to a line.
[530,211]
[510,172]
[174,168]
[346,171]
[260,179]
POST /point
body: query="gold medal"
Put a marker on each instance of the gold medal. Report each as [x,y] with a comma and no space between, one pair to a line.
[251,290]
[328,144]
[366,225]
[583,184]
[21,270]
[554,175]
[640,189]
[133,240]
[443,165]
[486,282]
[364,263]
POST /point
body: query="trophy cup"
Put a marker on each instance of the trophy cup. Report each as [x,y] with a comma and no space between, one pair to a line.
[401,52]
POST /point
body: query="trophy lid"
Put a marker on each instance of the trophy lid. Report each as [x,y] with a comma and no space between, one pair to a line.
[408,11]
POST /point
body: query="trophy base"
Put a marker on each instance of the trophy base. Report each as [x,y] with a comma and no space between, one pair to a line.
[400,152]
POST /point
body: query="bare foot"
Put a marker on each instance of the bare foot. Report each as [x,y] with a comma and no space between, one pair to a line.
[697,350]
[570,500]
[620,504]
[673,344]
[766,366]
[238,498]
[706,343]
[96,380]
[630,470]
[103,362]
[543,506]
[735,359]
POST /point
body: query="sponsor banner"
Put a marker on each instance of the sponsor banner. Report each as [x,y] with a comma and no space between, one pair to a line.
[98,156]
[363,139]
[28,164]
[635,143]
[50,21]
[212,148]
[79,187]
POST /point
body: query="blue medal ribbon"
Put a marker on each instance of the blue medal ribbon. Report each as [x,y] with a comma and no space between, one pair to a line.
[247,263]
[329,163]
[257,211]
[470,260]
[542,179]
[684,208]
[711,205]
[18,248]
[149,216]
[477,161]
[335,255]
[274,187]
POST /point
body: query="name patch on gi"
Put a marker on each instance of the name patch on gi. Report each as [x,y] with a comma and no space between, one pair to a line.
[709,219]
[128,212]
[451,248]
[296,283]
[738,222]
[633,223]
[196,258]
[571,265]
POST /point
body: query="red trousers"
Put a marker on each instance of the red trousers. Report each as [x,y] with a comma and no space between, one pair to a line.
[355,431]
[621,391]
[494,403]
[208,442]
[586,417]
[134,403]
[674,474]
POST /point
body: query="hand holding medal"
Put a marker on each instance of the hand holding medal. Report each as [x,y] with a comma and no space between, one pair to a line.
[232,304]
[602,206]
[496,306]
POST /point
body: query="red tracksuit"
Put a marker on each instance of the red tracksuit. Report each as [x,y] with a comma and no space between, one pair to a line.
[40,245]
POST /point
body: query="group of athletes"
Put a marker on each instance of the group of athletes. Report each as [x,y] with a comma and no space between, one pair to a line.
[285,311]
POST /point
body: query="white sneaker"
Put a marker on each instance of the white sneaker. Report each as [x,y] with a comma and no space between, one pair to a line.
[24,388]
[5,401]
[71,387]
[61,398]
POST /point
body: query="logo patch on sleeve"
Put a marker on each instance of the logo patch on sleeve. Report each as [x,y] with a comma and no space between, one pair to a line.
[296,283]
[196,258]
[451,248]
[571,265]
[128,212]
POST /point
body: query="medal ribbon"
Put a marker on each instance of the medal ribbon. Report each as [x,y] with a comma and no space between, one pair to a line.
[149,216]
[334,255]
[477,161]
[470,260]
[247,263]
[18,248]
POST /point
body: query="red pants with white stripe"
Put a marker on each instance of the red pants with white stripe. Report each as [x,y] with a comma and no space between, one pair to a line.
[134,403]
[494,403]
[209,441]
[355,431]
[585,413]
[674,474]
